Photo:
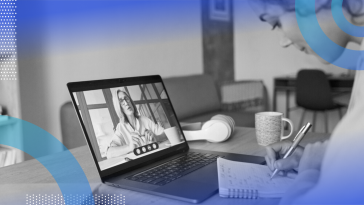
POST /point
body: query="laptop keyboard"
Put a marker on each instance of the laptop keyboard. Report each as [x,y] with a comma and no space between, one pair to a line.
[174,169]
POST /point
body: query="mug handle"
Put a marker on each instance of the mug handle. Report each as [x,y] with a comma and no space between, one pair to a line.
[291,124]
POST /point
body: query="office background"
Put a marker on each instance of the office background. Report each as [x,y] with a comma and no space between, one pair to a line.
[64,41]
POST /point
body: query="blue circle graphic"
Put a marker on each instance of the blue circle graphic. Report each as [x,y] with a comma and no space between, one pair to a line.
[342,22]
[319,42]
[63,166]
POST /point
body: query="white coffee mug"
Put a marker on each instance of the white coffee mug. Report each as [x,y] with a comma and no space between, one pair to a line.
[173,135]
[269,127]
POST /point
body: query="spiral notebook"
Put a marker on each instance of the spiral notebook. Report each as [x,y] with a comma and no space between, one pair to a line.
[246,180]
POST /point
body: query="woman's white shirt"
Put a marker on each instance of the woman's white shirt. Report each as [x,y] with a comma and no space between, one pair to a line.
[123,130]
[341,179]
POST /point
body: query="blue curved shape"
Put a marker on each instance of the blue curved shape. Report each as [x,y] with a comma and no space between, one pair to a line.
[319,42]
[342,22]
[37,142]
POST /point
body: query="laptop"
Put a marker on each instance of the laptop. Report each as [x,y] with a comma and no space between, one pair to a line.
[124,121]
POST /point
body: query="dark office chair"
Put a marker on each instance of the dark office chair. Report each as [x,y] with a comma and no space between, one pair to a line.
[313,92]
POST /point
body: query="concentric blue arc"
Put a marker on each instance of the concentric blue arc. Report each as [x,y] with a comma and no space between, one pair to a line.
[64,168]
[319,42]
[342,22]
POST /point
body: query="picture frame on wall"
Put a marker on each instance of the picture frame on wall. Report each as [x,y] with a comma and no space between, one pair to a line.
[220,10]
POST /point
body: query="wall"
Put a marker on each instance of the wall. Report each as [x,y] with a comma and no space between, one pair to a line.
[218,42]
[258,55]
[64,41]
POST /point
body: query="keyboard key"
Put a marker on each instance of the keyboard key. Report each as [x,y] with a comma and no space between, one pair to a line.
[156,181]
[191,170]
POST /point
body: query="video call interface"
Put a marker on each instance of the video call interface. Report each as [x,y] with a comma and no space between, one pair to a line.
[127,123]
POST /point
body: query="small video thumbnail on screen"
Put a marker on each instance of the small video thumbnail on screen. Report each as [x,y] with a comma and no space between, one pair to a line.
[128,122]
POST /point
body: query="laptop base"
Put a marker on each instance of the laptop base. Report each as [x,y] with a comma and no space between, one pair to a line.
[194,187]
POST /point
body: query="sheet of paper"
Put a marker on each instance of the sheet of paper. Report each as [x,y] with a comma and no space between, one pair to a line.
[240,175]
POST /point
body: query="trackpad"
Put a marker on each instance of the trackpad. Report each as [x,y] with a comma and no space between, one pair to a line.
[188,189]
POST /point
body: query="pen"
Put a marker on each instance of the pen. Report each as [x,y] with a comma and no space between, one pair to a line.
[296,141]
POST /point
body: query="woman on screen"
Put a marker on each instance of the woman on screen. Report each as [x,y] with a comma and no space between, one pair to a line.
[133,130]
[329,172]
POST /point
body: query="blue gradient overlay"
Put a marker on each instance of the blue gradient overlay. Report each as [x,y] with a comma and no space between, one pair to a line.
[64,168]
[319,42]
[68,24]
[74,24]
[78,23]
[343,23]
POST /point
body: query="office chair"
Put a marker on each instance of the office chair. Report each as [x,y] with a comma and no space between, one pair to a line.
[313,92]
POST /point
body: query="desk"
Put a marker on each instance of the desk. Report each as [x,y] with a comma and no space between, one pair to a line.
[288,84]
[31,175]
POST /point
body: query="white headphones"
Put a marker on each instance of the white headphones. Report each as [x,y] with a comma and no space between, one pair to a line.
[218,129]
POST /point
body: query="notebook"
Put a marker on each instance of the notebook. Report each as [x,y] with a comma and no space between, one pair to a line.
[246,180]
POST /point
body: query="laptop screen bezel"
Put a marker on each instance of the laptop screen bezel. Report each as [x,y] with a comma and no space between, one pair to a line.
[119,82]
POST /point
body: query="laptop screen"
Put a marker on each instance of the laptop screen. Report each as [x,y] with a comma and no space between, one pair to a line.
[128,122]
